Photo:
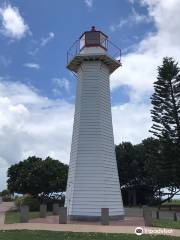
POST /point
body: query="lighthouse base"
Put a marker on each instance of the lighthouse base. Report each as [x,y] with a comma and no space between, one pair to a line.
[92,218]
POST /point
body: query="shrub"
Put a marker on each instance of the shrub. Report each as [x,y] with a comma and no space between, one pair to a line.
[33,203]
[6,196]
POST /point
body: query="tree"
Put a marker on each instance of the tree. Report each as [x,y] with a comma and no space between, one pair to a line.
[166,102]
[132,175]
[142,168]
[166,122]
[6,195]
[35,176]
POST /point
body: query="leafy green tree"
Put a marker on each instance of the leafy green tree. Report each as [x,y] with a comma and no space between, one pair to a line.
[132,174]
[35,176]
[4,193]
[125,157]
[142,168]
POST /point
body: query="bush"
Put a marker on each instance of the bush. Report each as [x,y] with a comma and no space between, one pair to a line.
[6,196]
[33,203]
[18,201]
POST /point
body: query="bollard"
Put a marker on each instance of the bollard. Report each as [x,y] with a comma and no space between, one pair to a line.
[175,216]
[105,216]
[147,214]
[43,210]
[24,214]
[63,215]
[55,209]
[157,214]
[134,198]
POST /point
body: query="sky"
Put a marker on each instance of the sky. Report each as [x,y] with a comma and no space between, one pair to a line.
[37,91]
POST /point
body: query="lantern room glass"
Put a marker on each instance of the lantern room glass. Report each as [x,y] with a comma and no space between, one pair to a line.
[93,38]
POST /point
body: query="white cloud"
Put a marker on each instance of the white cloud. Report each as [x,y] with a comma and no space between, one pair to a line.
[44,41]
[131,122]
[60,84]
[32,125]
[12,23]
[139,68]
[32,65]
[134,19]
[89,3]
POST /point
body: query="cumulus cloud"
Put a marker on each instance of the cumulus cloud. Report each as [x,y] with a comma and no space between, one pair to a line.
[32,65]
[131,122]
[12,23]
[139,68]
[32,125]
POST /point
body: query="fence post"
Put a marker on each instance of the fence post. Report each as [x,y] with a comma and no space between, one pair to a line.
[175,216]
[157,214]
[63,215]
[55,209]
[147,214]
[24,214]
[105,216]
[43,210]
[134,197]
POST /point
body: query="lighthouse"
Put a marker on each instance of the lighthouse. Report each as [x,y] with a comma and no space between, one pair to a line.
[93,181]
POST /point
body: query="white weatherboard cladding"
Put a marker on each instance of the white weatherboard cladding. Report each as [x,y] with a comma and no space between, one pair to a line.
[93,181]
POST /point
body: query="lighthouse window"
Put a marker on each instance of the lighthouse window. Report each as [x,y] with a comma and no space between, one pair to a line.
[92,38]
[103,40]
[82,41]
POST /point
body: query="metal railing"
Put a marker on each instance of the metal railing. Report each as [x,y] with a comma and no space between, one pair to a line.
[112,50]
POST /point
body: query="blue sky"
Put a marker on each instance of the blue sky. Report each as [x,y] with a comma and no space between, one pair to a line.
[64,21]
[37,92]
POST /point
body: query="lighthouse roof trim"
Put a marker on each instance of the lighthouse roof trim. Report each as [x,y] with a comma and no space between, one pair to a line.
[92,46]
[76,62]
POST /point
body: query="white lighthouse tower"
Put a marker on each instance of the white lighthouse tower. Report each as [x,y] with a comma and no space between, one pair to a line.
[93,181]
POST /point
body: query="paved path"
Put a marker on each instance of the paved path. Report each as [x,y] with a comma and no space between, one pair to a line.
[73,227]
[78,228]
[5,206]
[128,221]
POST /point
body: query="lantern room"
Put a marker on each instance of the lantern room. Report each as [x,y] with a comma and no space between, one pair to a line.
[93,41]
[93,45]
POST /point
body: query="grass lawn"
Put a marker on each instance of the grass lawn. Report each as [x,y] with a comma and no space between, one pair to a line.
[165,223]
[48,235]
[14,217]
[174,202]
